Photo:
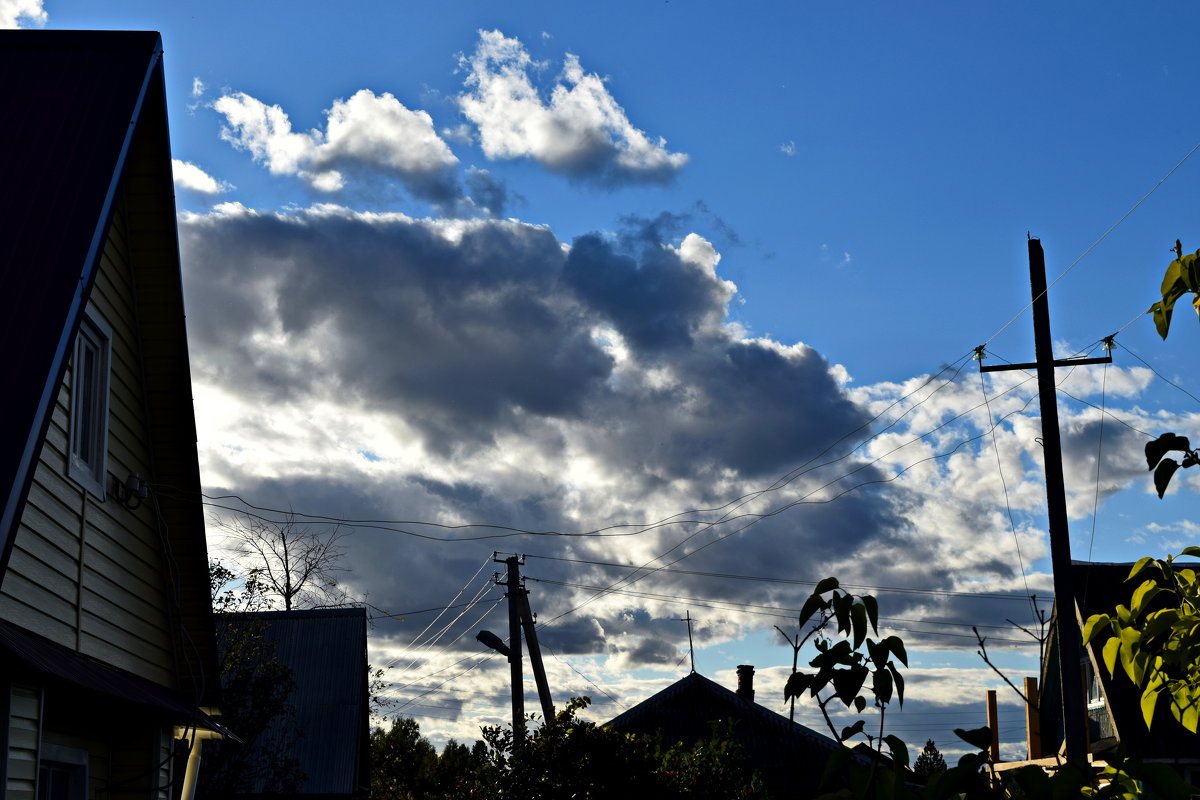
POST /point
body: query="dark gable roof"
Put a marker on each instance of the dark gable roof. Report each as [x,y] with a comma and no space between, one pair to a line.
[72,99]
[86,129]
[327,652]
[789,756]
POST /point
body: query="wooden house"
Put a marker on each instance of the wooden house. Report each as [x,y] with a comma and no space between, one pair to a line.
[1114,716]
[107,654]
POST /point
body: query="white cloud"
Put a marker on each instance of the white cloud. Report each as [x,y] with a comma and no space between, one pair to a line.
[188,176]
[368,135]
[197,87]
[580,131]
[788,148]
[22,13]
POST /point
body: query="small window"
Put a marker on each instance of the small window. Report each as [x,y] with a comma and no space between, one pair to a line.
[1091,681]
[62,773]
[89,405]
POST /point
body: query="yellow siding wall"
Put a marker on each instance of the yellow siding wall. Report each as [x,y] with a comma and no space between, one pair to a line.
[87,574]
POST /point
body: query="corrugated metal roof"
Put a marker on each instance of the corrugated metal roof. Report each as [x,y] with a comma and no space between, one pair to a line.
[327,652]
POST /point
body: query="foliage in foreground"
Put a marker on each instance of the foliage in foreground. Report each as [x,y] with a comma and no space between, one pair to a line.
[568,758]
[256,694]
[844,662]
[1157,644]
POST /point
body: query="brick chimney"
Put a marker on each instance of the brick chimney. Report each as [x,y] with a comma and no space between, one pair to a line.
[745,676]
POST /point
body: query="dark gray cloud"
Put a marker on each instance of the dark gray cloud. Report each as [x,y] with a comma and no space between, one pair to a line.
[490,194]
[522,383]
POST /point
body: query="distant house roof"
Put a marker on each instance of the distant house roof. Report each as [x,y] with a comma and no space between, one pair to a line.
[789,756]
[1099,589]
[87,129]
[326,650]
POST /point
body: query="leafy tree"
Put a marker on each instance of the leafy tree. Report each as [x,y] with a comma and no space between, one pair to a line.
[569,758]
[1182,276]
[404,764]
[842,665]
[930,762]
[1157,644]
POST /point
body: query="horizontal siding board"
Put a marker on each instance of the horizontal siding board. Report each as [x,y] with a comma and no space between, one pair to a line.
[103,648]
[127,632]
[118,533]
[51,618]
[143,622]
[49,518]
[45,552]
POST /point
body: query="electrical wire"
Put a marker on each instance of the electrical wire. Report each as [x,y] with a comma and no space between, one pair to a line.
[1096,243]
[790,581]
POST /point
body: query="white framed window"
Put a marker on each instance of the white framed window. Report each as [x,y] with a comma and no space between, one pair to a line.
[88,460]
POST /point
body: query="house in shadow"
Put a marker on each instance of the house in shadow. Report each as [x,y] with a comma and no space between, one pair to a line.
[318,744]
[107,654]
[790,757]
[1112,702]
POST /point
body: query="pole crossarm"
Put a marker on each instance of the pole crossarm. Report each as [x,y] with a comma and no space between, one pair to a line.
[1061,362]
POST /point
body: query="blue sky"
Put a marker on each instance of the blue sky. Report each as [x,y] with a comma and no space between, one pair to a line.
[558,266]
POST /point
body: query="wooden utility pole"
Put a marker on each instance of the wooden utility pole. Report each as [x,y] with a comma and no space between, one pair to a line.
[514,645]
[520,616]
[535,659]
[1068,635]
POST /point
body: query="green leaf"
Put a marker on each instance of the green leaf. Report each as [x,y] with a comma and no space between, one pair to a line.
[826,585]
[1185,706]
[1162,475]
[858,619]
[1138,567]
[1162,319]
[851,730]
[1110,654]
[859,704]
[881,685]
[872,606]
[1131,640]
[797,682]
[841,610]
[847,682]
[896,645]
[812,604]
[1143,595]
[899,679]
[1165,443]
[979,738]
[898,748]
[1095,624]
[1190,551]
[1148,702]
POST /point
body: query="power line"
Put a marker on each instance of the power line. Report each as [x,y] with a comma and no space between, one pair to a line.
[792,581]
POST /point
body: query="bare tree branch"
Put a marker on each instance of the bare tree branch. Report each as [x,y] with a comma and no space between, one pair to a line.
[296,561]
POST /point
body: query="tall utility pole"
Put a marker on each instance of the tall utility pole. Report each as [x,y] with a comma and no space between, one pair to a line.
[1070,680]
[520,616]
[514,645]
